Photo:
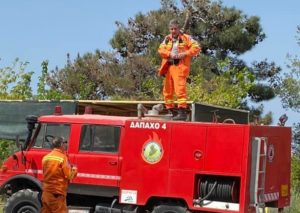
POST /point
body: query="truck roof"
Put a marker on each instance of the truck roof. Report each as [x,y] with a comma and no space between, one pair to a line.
[14,112]
[86,118]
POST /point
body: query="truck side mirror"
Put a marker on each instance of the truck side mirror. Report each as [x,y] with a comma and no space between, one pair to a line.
[19,142]
[31,121]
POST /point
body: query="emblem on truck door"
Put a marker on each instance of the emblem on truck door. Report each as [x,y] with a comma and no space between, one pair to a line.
[152,151]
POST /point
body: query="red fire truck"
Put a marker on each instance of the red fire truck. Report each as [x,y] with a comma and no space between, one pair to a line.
[154,165]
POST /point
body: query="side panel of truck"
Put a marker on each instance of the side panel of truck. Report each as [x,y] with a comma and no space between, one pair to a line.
[144,174]
[213,150]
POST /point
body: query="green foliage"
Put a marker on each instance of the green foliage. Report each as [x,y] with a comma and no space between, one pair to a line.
[294,205]
[45,93]
[296,174]
[5,149]
[41,90]
[76,80]
[153,86]
[296,140]
[289,90]
[228,89]
[295,195]
[101,75]
[290,87]
[295,201]
[15,81]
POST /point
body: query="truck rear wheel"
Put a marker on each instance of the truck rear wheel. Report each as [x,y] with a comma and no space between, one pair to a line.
[23,201]
[165,208]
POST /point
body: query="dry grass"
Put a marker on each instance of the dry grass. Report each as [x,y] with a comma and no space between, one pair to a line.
[1,205]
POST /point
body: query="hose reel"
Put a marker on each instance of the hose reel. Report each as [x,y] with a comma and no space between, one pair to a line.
[212,188]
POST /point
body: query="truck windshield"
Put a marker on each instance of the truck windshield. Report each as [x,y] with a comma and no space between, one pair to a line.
[48,131]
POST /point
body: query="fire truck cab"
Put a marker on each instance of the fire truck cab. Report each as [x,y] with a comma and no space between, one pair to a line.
[154,165]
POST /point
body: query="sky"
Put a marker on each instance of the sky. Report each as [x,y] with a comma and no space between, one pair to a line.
[35,31]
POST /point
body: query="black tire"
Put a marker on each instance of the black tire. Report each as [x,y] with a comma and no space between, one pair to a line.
[23,201]
[165,208]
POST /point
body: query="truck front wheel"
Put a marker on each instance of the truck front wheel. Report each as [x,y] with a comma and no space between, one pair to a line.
[23,201]
[169,209]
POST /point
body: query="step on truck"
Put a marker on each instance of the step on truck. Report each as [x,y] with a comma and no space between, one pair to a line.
[151,164]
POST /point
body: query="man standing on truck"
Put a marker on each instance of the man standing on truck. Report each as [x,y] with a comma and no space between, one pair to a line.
[57,173]
[176,51]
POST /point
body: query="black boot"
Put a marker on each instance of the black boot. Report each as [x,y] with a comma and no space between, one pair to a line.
[172,112]
[182,115]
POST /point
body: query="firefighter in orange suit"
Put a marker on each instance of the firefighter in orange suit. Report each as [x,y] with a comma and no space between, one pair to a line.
[57,173]
[176,51]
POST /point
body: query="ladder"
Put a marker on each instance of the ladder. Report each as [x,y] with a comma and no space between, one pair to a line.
[258,173]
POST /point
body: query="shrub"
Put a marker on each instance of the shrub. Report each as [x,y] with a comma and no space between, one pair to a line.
[6,148]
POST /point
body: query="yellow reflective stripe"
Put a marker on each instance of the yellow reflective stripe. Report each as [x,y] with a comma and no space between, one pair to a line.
[163,46]
[195,45]
[169,102]
[182,100]
[53,158]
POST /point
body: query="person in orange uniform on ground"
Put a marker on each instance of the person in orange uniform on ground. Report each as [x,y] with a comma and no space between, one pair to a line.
[176,51]
[57,174]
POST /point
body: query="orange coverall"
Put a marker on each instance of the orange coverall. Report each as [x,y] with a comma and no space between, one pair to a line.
[57,174]
[176,75]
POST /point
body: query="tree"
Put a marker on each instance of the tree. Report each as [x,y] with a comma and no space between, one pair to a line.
[41,90]
[228,89]
[76,80]
[289,90]
[295,166]
[224,33]
[102,75]
[15,81]
[296,140]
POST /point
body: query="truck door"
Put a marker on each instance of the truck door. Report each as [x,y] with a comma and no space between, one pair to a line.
[97,159]
[41,145]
